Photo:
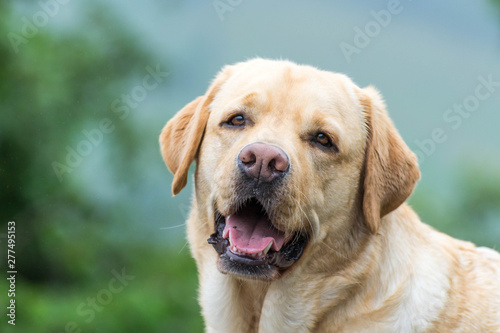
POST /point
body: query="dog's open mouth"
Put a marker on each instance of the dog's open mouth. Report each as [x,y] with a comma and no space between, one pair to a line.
[249,245]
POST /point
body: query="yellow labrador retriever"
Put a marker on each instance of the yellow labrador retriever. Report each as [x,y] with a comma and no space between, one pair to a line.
[300,190]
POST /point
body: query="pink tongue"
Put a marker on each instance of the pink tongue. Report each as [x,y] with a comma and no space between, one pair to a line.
[252,232]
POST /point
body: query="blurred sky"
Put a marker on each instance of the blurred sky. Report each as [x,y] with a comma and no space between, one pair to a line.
[426,59]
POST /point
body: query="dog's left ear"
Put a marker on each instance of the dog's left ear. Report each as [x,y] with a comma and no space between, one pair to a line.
[182,135]
[391,168]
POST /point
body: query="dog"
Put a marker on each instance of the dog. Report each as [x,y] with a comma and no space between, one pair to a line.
[299,221]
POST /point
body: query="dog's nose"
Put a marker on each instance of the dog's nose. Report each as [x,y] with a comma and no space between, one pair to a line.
[263,162]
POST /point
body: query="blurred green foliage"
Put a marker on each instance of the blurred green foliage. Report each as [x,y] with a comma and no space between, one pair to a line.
[472,213]
[496,3]
[70,241]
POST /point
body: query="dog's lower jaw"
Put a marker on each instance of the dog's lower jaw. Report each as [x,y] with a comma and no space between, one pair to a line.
[264,272]
[268,268]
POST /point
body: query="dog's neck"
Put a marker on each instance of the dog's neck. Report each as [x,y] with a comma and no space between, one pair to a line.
[343,282]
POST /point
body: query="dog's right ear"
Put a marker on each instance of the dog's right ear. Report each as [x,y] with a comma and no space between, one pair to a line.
[180,138]
[182,135]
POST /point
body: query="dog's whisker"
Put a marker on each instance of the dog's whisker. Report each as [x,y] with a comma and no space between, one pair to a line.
[182,248]
[299,203]
[173,227]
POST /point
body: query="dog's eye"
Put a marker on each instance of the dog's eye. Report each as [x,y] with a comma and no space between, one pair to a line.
[323,140]
[236,120]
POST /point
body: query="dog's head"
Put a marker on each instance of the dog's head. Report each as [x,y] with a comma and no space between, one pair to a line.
[286,155]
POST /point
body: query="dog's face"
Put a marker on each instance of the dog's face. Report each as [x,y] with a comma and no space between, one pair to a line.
[289,156]
[282,150]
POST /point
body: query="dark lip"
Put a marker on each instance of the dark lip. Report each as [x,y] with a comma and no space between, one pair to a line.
[245,260]
[286,257]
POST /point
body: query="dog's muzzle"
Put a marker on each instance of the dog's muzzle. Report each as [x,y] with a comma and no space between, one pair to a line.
[248,242]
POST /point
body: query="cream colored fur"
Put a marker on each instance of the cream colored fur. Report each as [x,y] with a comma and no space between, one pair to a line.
[370,265]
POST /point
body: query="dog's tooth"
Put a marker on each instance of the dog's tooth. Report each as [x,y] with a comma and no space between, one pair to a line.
[259,254]
[267,248]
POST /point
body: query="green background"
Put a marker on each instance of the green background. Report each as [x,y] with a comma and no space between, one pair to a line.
[65,67]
